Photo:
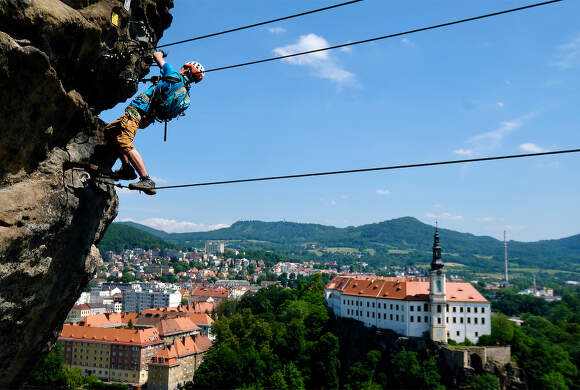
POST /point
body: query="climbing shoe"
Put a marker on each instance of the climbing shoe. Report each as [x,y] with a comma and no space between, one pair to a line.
[126,172]
[144,184]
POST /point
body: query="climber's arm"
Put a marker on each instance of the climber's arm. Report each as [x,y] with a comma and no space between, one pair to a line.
[158,57]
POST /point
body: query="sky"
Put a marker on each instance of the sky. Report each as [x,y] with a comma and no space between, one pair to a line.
[503,85]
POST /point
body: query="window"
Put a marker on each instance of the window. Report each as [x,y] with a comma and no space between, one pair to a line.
[482,320]
[397,317]
[483,309]
[373,304]
[391,317]
[475,309]
[419,308]
[438,320]
[461,309]
[368,314]
[391,306]
[438,308]
[469,320]
[425,307]
[461,320]
[412,308]
[475,320]
[454,309]
[454,320]
[373,314]
[367,304]
[418,319]
[457,333]
[411,319]
[469,309]
[397,307]
[426,319]
[447,308]
[476,334]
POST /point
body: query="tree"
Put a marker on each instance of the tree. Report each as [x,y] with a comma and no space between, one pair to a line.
[485,382]
[553,381]
[73,377]
[50,373]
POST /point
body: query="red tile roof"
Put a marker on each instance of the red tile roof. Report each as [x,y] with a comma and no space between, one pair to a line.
[181,347]
[408,289]
[141,337]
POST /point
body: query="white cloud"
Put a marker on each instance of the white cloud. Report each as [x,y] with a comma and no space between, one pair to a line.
[515,227]
[499,104]
[490,140]
[437,206]
[333,202]
[158,179]
[173,226]
[277,30]
[486,219]
[383,192]
[531,148]
[444,216]
[321,63]
[463,152]
[407,41]
[568,55]
[508,82]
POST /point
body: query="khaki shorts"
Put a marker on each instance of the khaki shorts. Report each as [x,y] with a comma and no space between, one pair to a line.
[121,132]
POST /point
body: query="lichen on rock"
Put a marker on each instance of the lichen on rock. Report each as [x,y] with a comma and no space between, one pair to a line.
[61,64]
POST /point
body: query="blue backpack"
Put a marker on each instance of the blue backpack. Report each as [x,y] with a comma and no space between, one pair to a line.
[170,98]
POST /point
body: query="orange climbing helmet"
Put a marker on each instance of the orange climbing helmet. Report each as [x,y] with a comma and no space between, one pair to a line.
[193,70]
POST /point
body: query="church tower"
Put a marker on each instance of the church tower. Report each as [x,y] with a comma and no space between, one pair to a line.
[437,294]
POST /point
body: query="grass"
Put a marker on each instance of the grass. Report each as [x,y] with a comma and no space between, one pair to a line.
[483,257]
[370,251]
[454,265]
[400,251]
[345,251]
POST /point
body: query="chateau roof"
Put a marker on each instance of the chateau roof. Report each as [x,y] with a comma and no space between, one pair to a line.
[407,289]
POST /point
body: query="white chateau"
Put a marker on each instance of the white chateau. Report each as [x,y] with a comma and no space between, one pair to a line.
[412,306]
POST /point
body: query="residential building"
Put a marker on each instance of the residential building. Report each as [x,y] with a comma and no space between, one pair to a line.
[137,301]
[413,306]
[176,364]
[208,294]
[111,354]
[214,247]
[171,325]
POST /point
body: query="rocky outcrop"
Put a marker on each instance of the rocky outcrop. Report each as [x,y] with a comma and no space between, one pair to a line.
[61,63]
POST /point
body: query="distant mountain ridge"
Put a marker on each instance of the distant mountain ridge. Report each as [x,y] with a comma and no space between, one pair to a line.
[403,238]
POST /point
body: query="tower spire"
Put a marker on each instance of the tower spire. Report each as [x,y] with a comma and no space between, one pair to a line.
[437,263]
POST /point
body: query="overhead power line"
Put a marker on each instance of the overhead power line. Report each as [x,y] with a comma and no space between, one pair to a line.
[392,167]
[259,24]
[388,36]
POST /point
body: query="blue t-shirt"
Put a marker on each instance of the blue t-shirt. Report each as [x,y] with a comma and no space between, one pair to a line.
[141,102]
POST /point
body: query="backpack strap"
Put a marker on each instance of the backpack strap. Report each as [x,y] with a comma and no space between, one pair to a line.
[171,79]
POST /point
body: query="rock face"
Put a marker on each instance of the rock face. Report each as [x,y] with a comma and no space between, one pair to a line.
[61,63]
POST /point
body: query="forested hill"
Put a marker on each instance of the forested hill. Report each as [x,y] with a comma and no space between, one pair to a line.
[119,237]
[402,239]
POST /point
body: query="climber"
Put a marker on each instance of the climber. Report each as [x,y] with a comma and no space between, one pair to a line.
[165,100]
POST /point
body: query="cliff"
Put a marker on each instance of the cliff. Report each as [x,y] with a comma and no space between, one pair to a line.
[61,63]
[457,366]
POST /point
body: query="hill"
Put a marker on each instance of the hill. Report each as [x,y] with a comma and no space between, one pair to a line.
[120,236]
[399,241]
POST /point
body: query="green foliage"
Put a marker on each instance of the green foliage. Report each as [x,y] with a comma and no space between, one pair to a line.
[50,371]
[73,377]
[485,382]
[119,237]
[275,338]
[547,345]
[363,375]
[410,373]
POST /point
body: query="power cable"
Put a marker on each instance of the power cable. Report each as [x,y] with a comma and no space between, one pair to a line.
[392,167]
[259,24]
[388,36]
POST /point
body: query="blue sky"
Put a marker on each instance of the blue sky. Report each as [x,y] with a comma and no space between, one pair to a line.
[504,85]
